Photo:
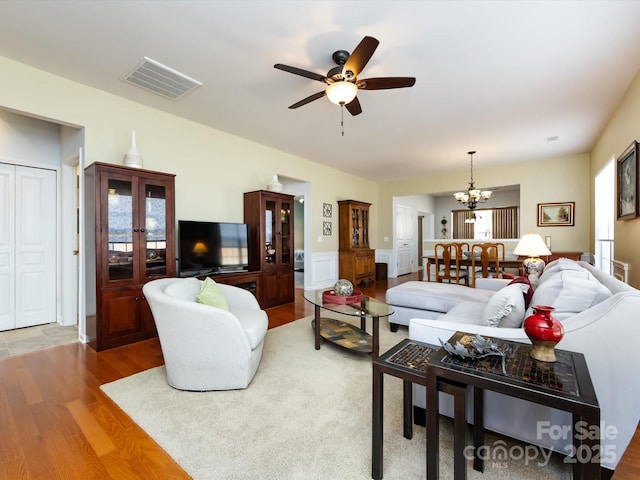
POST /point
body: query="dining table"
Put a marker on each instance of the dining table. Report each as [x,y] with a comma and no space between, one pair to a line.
[508,262]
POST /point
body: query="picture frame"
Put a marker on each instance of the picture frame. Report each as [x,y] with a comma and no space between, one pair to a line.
[326,228]
[327,210]
[627,183]
[559,214]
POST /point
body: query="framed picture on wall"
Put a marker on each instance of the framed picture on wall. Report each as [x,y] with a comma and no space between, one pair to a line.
[627,183]
[556,214]
[327,210]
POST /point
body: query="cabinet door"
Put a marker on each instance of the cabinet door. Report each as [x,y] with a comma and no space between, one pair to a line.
[271,229]
[116,229]
[285,286]
[285,250]
[147,323]
[155,229]
[270,289]
[120,314]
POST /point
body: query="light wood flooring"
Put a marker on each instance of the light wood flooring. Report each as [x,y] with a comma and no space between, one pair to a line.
[55,422]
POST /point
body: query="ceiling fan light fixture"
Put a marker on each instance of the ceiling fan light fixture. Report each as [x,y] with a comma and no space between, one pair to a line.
[342,92]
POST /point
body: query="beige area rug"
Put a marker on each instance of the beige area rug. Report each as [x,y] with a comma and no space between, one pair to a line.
[306,415]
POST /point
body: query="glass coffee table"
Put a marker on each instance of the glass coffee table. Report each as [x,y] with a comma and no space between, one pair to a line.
[345,334]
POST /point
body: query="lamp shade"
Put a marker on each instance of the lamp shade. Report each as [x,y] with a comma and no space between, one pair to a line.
[531,245]
[342,92]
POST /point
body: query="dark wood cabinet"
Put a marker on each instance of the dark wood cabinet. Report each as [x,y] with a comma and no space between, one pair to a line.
[270,217]
[130,240]
[356,259]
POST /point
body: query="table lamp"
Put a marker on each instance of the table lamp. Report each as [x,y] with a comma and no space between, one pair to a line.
[532,246]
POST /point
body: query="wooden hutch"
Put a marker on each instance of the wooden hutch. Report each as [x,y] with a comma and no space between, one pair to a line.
[356,259]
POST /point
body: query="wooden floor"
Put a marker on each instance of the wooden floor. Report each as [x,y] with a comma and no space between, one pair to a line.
[56,423]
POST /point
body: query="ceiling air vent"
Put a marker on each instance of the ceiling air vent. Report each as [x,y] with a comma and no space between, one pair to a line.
[160,79]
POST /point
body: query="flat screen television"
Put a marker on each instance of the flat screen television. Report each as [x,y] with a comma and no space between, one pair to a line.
[212,247]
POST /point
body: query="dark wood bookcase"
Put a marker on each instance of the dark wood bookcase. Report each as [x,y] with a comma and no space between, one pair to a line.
[130,240]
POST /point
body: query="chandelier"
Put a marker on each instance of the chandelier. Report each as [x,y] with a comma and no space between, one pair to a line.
[473,196]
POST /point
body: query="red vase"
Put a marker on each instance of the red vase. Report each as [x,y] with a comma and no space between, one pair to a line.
[544,331]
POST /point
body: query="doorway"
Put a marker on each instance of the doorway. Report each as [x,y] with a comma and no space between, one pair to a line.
[28,219]
[47,145]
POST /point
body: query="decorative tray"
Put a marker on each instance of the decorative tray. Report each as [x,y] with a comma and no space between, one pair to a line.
[329,296]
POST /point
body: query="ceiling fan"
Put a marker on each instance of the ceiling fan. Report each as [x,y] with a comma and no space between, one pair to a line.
[342,81]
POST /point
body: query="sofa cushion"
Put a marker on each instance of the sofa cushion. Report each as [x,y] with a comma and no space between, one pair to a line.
[211,295]
[465,312]
[569,292]
[506,307]
[437,297]
[185,289]
[557,266]
[528,292]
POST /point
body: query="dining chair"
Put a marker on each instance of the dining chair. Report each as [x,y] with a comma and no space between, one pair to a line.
[447,257]
[485,260]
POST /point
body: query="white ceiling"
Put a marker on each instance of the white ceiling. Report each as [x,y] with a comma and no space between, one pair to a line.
[493,76]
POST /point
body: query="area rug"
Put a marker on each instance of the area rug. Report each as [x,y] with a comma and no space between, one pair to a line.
[306,415]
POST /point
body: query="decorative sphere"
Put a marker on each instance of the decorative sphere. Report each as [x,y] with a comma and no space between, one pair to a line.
[343,288]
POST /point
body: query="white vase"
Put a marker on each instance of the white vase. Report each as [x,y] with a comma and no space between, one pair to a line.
[274,185]
[133,158]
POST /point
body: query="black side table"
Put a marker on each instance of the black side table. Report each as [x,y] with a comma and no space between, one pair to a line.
[408,361]
[564,384]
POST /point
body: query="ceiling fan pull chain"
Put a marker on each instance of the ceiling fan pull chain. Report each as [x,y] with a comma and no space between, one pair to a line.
[342,117]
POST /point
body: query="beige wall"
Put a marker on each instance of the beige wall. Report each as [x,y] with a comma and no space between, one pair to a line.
[212,168]
[621,130]
[562,179]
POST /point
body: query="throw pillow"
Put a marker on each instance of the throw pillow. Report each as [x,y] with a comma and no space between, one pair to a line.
[211,295]
[570,292]
[528,293]
[506,307]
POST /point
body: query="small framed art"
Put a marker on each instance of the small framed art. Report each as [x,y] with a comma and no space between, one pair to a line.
[556,214]
[327,210]
[326,228]
[627,183]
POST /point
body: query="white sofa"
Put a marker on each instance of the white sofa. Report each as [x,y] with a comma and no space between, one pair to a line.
[600,316]
[205,347]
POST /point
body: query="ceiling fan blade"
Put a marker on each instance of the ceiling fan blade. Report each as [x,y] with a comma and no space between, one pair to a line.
[309,99]
[301,72]
[359,57]
[354,107]
[383,83]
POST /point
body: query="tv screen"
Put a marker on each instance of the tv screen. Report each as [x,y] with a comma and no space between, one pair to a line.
[212,247]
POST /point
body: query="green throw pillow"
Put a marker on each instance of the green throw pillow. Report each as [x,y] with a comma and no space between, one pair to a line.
[211,295]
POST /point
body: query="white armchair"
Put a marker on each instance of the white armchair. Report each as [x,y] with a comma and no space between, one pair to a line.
[204,347]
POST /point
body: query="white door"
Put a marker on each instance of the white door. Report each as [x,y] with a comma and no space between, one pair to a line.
[29,241]
[7,246]
[404,239]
